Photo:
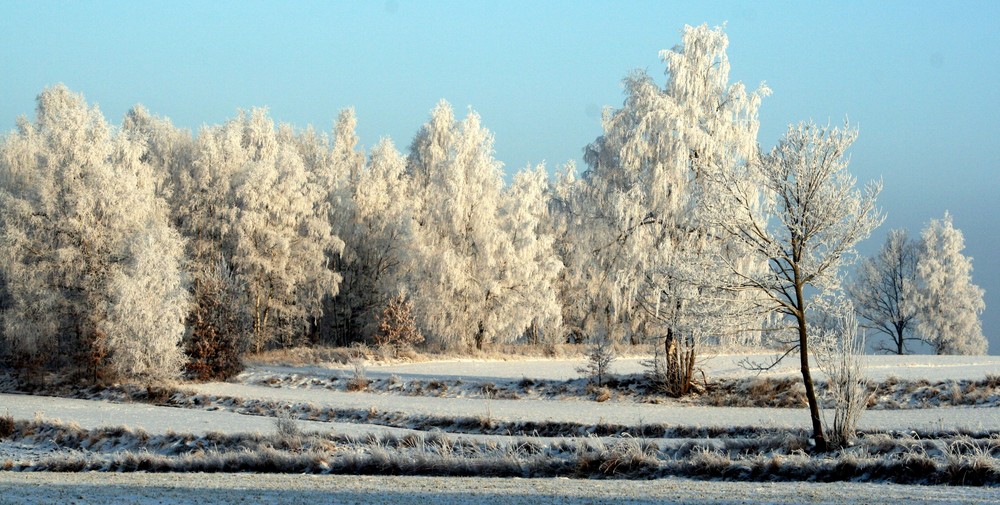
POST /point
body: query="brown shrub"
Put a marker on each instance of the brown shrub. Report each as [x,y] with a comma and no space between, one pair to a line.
[6,426]
[397,327]
[218,327]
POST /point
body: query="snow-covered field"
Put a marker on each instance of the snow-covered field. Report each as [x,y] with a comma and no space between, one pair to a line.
[216,412]
[927,367]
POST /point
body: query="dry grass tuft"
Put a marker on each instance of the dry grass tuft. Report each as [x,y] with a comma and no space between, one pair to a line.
[6,426]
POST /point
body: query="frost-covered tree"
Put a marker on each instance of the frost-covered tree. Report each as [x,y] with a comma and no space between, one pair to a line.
[882,288]
[280,243]
[796,209]
[642,204]
[946,302]
[247,200]
[148,304]
[168,150]
[92,269]
[469,283]
[353,312]
[376,259]
[529,264]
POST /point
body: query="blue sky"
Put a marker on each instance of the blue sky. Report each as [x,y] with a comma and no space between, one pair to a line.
[919,79]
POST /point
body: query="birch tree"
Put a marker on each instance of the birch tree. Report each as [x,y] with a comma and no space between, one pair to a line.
[529,263]
[337,175]
[644,195]
[946,301]
[280,244]
[465,278]
[882,290]
[380,246]
[796,209]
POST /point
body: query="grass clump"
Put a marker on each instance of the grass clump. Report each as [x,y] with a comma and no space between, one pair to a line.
[6,426]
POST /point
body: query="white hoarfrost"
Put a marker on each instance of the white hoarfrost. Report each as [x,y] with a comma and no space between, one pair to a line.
[469,283]
[80,212]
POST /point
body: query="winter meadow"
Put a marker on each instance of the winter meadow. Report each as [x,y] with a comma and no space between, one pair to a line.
[683,317]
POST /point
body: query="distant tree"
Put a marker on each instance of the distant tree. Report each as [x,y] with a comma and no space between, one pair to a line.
[797,209]
[882,288]
[947,303]
[600,354]
[92,269]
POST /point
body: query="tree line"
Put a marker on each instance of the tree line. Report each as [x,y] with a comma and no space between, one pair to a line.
[133,252]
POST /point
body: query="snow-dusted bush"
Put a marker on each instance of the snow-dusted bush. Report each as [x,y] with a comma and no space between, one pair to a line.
[840,355]
[218,327]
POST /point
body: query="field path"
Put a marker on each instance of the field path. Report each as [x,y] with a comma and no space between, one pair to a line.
[224,488]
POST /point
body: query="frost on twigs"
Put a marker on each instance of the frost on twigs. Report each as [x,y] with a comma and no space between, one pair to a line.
[797,211]
[839,352]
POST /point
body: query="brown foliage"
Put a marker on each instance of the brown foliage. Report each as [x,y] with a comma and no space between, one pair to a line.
[398,327]
[217,340]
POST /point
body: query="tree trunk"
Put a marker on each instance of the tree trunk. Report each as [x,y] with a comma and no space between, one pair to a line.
[817,422]
[480,336]
[899,339]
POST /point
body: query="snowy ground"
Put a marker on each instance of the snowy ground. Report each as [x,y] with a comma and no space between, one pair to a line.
[226,488]
[589,412]
[927,367]
[197,489]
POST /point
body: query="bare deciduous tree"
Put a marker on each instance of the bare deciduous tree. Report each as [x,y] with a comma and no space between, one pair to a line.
[882,288]
[798,210]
